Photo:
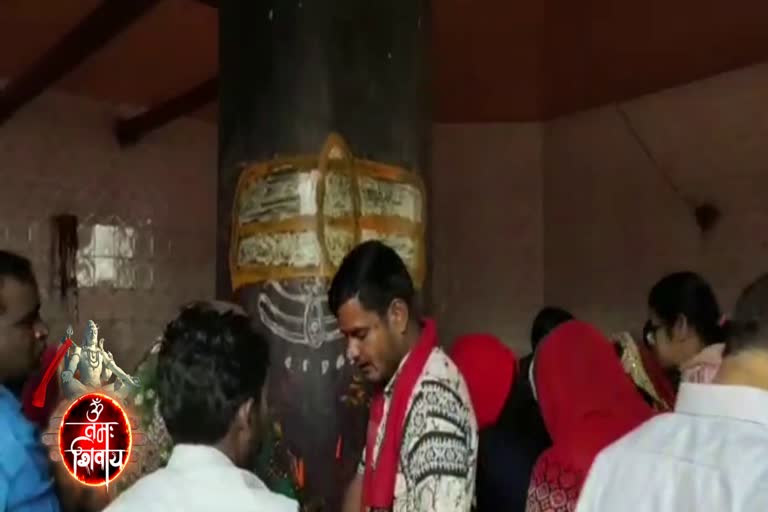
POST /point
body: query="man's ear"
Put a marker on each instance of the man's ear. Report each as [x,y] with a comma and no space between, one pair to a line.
[681,327]
[398,316]
[245,414]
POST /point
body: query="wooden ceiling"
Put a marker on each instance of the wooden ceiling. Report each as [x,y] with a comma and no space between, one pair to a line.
[501,60]
[494,60]
[170,49]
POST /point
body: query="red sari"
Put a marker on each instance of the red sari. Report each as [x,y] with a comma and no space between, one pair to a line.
[587,402]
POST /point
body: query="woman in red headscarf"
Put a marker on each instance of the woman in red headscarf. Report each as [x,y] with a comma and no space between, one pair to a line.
[511,435]
[588,402]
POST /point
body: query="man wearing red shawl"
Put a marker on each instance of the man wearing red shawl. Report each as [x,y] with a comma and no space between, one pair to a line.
[25,388]
[421,451]
[587,402]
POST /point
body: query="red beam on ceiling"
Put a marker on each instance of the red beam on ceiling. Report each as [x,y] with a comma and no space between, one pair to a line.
[130,131]
[90,35]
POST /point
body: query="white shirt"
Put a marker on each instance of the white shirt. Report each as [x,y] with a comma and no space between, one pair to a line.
[438,458]
[710,455]
[200,478]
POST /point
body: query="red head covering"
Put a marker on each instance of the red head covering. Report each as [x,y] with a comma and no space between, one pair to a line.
[489,368]
[587,402]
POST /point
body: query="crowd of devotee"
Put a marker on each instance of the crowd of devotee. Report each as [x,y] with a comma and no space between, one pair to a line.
[675,419]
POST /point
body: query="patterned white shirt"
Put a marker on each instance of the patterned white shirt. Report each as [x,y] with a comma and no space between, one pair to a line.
[438,459]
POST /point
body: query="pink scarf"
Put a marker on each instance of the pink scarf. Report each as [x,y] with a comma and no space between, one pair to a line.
[703,367]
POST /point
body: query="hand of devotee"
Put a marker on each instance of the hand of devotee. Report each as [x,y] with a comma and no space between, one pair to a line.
[67,489]
[356,394]
[73,496]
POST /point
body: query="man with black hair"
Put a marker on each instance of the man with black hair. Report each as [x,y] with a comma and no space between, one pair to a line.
[26,483]
[211,371]
[711,454]
[546,321]
[527,423]
[421,451]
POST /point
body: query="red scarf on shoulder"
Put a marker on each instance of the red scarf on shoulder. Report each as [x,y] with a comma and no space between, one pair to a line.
[41,392]
[379,481]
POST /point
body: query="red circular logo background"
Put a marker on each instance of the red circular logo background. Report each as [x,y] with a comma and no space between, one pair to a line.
[95,439]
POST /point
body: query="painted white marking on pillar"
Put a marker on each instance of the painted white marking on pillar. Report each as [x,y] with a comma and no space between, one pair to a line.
[340,362]
[325,364]
[288,362]
[305,365]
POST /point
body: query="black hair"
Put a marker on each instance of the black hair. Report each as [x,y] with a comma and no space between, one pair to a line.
[374,274]
[521,416]
[748,328]
[688,294]
[16,266]
[545,322]
[210,363]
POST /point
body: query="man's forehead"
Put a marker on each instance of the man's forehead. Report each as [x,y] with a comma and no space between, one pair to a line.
[353,315]
[18,296]
[13,289]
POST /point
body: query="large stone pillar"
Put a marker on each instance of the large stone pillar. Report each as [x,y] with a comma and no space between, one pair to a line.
[324,128]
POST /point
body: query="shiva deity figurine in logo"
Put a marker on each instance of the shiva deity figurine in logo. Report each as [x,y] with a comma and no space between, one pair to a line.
[90,368]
